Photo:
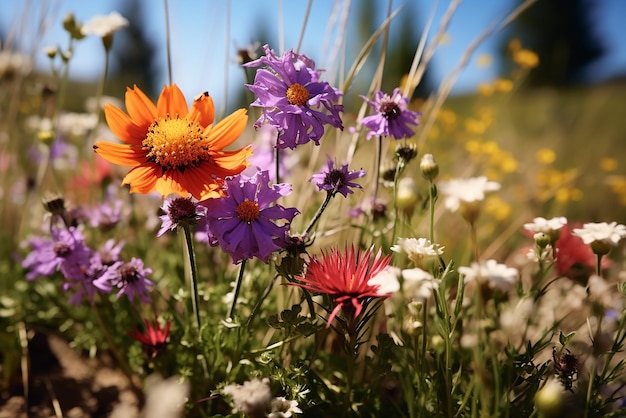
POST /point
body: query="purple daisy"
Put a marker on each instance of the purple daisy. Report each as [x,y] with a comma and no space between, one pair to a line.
[247,223]
[391,117]
[90,285]
[106,216]
[130,278]
[337,180]
[293,99]
[179,211]
[65,251]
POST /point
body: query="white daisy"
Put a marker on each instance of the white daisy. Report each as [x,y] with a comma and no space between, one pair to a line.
[498,276]
[547,226]
[104,25]
[458,191]
[601,232]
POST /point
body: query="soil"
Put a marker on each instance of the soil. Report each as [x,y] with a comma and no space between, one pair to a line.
[64,383]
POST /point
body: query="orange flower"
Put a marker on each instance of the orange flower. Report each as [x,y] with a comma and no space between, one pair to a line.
[174,149]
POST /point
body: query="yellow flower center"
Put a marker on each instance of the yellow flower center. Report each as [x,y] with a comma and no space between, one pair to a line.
[175,143]
[297,94]
[248,211]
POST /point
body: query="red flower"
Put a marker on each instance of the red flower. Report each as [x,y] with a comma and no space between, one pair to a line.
[345,278]
[154,339]
[575,259]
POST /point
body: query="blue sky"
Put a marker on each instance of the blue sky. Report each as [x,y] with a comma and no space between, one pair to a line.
[201,59]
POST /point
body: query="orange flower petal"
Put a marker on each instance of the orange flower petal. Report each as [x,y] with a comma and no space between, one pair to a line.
[202,183]
[227,130]
[172,102]
[230,163]
[120,154]
[143,179]
[123,126]
[202,110]
[171,183]
[140,107]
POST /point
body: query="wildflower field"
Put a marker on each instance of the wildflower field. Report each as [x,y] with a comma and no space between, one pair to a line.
[332,249]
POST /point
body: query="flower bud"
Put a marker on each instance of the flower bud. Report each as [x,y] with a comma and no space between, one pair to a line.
[549,400]
[542,240]
[429,167]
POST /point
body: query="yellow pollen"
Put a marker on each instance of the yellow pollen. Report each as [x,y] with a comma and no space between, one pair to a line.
[248,211]
[297,94]
[175,143]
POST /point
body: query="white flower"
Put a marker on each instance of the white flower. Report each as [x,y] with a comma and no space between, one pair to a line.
[104,25]
[458,191]
[601,232]
[283,408]
[386,280]
[547,226]
[165,398]
[499,276]
[14,63]
[417,248]
[251,398]
[418,284]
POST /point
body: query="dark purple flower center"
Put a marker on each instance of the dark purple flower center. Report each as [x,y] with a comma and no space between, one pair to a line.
[297,94]
[390,109]
[61,249]
[129,273]
[335,178]
[248,211]
[181,209]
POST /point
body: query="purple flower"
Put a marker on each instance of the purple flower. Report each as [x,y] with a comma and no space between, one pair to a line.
[293,99]
[90,285]
[179,211]
[391,116]
[129,277]
[106,216]
[247,223]
[65,251]
[336,180]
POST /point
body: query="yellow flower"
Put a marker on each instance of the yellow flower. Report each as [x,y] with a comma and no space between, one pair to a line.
[485,89]
[503,85]
[174,149]
[484,60]
[545,156]
[608,164]
[526,58]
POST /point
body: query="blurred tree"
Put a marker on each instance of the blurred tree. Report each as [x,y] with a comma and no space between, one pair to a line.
[562,33]
[133,53]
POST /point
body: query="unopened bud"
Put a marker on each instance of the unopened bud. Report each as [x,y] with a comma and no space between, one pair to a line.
[542,240]
[429,167]
[549,400]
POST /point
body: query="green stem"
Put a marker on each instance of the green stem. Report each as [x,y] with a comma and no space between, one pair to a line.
[256,308]
[599,265]
[379,155]
[432,190]
[277,157]
[242,268]
[190,260]
[318,214]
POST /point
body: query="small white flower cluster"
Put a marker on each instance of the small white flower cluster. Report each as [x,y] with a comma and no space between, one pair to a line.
[253,397]
[14,63]
[417,248]
[104,25]
[497,276]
